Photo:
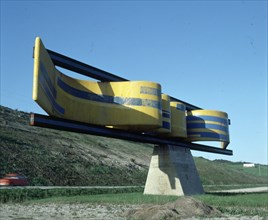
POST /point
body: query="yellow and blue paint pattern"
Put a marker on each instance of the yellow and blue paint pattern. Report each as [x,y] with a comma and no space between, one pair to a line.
[166,115]
[178,120]
[130,105]
[208,125]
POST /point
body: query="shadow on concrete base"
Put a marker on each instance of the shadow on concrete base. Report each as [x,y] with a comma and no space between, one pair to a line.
[172,172]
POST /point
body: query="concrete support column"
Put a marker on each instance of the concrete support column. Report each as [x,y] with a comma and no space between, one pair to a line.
[172,172]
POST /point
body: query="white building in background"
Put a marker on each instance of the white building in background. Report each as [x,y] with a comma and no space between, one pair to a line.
[249,165]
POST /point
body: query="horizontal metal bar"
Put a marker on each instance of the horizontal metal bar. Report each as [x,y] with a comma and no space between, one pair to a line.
[93,72]
[82,68]
[73,126]
[189,107]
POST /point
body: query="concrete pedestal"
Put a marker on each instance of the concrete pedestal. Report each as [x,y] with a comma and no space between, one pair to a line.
[172,172]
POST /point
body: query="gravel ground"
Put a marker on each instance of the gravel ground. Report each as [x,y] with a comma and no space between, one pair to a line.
[82,211]
[63,211]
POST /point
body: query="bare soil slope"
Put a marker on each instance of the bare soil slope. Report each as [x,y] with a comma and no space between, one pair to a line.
[180,209]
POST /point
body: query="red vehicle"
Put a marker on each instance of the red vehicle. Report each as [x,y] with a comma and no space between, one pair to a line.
[14,179]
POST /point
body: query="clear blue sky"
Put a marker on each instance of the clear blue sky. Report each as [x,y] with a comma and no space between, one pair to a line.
[212,54]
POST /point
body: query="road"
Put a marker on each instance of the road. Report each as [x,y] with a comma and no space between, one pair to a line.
[244,190]
[68,187]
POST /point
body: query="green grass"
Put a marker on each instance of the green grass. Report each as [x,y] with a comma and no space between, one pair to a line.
[221,172]
[28,194]
[68,159]
[239,200]
[72,159]
[120,198]
[258,170]
[239,204]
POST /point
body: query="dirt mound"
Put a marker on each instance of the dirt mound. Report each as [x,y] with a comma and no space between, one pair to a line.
[182,208]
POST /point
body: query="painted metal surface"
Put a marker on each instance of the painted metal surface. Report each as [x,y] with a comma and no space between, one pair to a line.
[166,115]
[208,125]
[118,103]
[96,73]
[134,105]
[178,120]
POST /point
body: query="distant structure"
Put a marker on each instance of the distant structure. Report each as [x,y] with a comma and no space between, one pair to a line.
[246,165]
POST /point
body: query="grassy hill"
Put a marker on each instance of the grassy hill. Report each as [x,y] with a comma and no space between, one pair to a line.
[51,157]
[222,172]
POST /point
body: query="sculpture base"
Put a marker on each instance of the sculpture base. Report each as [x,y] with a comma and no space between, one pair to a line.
[172,172]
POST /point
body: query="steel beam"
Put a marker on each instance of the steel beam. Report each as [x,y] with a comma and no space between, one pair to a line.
[82,68]
[73,126]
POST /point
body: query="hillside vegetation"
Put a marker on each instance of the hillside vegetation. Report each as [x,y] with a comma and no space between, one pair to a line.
[51,157]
